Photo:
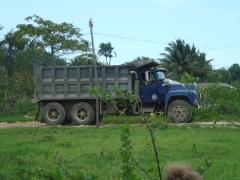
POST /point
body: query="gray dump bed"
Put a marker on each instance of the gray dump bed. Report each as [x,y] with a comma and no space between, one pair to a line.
[72,82]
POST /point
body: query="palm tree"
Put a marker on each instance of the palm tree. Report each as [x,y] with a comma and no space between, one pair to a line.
[103,50]
[177,59]
[182,59]
[202,67]
[106,50]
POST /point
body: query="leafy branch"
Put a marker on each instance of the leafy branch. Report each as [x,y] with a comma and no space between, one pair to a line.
[120,98]
[125,99]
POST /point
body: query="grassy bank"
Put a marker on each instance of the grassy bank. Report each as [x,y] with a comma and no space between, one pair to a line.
[16,118]
[92,150]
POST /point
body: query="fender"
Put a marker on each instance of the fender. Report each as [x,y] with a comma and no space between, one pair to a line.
[189,94]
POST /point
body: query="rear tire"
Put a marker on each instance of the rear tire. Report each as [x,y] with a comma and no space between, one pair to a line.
[53,113]
[180,111]
[82,114]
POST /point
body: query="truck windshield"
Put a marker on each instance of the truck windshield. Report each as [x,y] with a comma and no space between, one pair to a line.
[160,75]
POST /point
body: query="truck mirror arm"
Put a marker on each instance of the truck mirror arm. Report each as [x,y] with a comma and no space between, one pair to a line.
[167,83]
[134,72]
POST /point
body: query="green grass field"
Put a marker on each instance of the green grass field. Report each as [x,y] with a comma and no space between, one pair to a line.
[91,150]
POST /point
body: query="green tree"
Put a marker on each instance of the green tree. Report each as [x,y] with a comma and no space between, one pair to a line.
[139,58]
[182,60]
[200,66]
[55,40]
[25,60]
[84,60]
[2,71]
[224,75]
[213,77]
[103,51]
[9,47]
[106,50]
[142,58]
[235,72]
[176,60]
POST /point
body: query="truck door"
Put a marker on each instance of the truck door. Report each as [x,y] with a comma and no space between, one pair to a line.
[148,87]
[161,85]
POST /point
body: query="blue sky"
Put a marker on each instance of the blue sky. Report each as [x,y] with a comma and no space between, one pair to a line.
[141,27]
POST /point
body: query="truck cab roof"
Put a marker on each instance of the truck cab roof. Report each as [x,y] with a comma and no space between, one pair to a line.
[144,65]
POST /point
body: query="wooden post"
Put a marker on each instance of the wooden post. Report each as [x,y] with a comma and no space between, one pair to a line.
[95,71]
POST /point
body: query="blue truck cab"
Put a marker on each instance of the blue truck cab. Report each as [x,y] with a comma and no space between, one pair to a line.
[159,94]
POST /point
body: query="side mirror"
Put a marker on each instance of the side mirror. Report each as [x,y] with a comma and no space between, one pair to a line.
[167,83]
[147,75]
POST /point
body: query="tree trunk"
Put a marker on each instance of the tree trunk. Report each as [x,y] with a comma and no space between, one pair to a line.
[110,62]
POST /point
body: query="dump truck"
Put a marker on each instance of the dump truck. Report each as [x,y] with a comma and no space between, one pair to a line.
[63,92]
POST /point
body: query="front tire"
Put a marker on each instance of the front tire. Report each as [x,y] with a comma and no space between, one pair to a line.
[82,114]
[53,113]
[180,111]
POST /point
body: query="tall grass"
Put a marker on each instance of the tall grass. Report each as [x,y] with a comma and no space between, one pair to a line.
[92,150]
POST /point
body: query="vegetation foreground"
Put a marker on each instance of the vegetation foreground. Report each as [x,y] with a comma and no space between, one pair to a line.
[94,153]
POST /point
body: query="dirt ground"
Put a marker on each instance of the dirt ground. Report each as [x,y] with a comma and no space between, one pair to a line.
[21,124]
[38,124]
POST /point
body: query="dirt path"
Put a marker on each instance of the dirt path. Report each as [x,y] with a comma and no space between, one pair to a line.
[21,124]
[38,124]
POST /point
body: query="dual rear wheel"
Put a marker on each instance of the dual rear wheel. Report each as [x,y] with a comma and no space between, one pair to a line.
[81,114]
[53,113]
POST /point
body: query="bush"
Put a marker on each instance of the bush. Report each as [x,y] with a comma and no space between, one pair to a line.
[236,84]
[218,101]
[26,107]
